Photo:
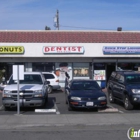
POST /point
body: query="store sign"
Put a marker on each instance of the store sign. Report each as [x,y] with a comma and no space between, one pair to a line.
[121,50]
[63,49]
[11,49]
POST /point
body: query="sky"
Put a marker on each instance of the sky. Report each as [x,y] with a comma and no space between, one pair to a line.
[73,14]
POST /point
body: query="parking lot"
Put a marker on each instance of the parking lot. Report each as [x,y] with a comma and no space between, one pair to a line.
[56,105]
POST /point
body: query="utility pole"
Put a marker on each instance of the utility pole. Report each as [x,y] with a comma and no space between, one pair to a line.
[56,20]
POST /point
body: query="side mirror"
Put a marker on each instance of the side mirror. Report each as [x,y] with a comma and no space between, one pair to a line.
[47,82]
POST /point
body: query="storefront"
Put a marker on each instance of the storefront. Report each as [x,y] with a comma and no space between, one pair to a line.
[83,54]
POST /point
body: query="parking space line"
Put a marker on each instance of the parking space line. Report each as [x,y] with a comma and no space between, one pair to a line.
[121,111]
[55,106]
[1,107]
[110,106]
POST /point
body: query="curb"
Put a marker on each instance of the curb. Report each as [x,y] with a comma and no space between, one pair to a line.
[109,110]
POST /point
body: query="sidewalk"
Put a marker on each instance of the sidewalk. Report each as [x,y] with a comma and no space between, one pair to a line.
[22,121]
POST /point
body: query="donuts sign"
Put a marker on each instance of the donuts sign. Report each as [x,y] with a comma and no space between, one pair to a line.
[63,49]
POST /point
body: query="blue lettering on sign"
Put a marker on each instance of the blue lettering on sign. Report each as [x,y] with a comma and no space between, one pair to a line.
[121,50]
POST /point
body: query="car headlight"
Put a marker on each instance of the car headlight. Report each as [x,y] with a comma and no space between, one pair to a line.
[38,91]
[6,95]
[38,95]
[76,98]
[102,98]
[136,91]
[6,91]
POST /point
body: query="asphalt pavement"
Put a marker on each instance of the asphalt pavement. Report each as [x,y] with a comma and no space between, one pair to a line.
[18,121]
[105,117]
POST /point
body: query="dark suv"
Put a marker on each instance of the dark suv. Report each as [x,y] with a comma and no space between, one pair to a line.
[124,86]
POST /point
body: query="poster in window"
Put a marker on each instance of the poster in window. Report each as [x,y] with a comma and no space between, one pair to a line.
[80,72]
[99,75]
[60,70]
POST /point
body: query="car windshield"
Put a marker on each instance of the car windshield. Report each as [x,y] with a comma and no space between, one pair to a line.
[85,85]
[28,79]
[132,78]
[48,76]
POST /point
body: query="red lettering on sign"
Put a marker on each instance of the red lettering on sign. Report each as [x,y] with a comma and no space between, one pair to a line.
[73,49]
[58,48]
[65,48]
[52,48]
[47,49]
[79,48]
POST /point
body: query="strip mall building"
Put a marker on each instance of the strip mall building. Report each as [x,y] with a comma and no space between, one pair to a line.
[84,54]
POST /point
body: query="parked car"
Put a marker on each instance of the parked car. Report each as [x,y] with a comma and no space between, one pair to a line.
[32,91]
[54,81]
[83,93]
[125,87]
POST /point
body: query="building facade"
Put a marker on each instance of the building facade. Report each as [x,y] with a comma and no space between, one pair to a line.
[83,54]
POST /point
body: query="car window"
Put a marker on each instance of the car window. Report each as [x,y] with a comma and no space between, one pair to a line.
[132,78]
[121,79]
[84,85]
[28,79]
[49,76]
[112,75]
[117,77]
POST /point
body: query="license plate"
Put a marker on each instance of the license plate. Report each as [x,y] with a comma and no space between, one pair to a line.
[89,104]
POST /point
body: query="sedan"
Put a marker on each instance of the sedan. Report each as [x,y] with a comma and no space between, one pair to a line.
[82,93]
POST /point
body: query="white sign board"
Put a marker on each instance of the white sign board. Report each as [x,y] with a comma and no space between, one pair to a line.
[15,72]
[63,49]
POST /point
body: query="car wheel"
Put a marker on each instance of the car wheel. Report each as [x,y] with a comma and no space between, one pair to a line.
[127,103]
[111,98]
[6,108]
[49,90]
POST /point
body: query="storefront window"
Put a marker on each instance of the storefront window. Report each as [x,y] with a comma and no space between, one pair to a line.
[99,71]
[43,67]
[99,74]
[136,67]
[124,66]
[60,69]
[80,70]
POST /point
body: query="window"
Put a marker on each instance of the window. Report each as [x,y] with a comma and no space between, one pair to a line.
[117,77]
[121,79]
[132,78]
[112,75]
[81,69]
[49,76]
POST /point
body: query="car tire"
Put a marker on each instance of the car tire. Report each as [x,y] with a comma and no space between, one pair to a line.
[44,102]
[66,102]
[127,103]
[6,108]
[49,90]
[110,97]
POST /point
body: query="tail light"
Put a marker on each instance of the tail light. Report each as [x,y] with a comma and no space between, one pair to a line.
[57,80]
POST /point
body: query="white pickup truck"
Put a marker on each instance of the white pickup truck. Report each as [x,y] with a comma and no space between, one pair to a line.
[32,91]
